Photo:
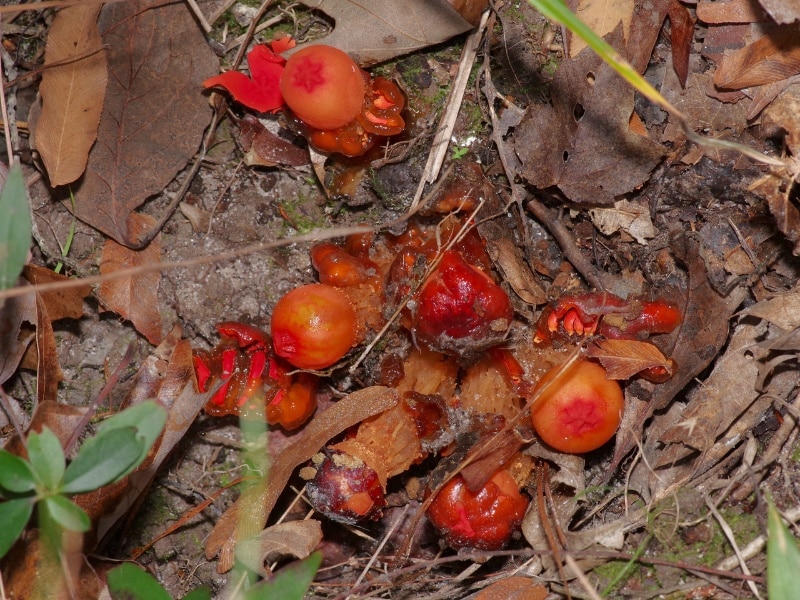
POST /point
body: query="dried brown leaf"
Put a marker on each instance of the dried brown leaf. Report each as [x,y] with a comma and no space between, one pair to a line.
[154,113]
[602,17]
[648,20]
[134,298]
[732,11]
[782,310]
[771,58]
[61,304]
[782,11]
[470,10]
[265,149]
[377,32]
[296,538]
[508,257]
[72,93]
[14,336]
[513,588]
[583,142]
[623,359]
[249,514]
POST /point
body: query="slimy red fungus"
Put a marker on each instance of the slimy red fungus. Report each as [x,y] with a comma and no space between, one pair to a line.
[483,519]
[460,309]
[313,326]
[578,409]
[323,87]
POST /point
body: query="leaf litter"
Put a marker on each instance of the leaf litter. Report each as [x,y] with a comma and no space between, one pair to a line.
[718,247]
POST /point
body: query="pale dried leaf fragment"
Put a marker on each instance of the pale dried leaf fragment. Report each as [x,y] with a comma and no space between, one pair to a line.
[72,93]
[782,310]
[373,32]
[630,217]
[296,538]
[622,359]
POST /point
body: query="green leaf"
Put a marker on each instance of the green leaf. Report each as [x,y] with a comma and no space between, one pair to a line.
[201,593]
[16,474]
[65,513]
[15,227]
[148,418]
[129,582]
[14,515]
[102,459]
[290,583]
[783,558]
[46,458]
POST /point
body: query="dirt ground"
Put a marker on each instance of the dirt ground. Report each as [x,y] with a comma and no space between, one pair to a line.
[708,201]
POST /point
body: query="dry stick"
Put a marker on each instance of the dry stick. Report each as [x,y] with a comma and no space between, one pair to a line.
[581,577]
[567,244]
[387,536]
[199,15]
[4,108]
[441,140]
[726,529]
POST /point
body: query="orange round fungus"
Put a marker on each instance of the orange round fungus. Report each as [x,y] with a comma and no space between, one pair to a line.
[313,326]
[579,409]
[323,87]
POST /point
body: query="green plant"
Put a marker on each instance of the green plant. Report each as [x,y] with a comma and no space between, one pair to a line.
[129,582]
[783,558]
[15,227]
[45,480]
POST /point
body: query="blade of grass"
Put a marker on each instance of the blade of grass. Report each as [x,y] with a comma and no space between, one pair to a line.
[557,10]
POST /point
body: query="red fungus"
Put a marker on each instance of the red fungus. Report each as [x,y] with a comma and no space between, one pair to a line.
[578,409]
[323,87]
[460,309]
[483,519]
[313,326]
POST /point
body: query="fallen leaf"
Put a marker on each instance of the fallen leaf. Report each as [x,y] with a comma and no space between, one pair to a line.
[627,216]
[471,10]
[623,359]
[14,336]
[154,113]
[373,33]
[782,11]
[296,538]
[513,588]
[782,310]
[583,143]
[264,148]
[771,58]
[256,502]
[602,17]
[648,20]
[134,298]
[72,93]
[61,304]
[732,11]
[508,257]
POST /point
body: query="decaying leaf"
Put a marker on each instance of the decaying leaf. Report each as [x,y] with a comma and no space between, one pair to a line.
[782,310]
[14,335]
[72,91]
[513,588]
[583,142]
[771,58]
[733,11]
[249,514]
[265,149]
[134,298]
[602,17]
[508,257]
[296,538]
[630,217]
[383,31]
[154,113]
[61,304]
[782,11]
[623,359]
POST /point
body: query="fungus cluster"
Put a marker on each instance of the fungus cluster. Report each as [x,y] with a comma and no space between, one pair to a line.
[338,106]
[457,376]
